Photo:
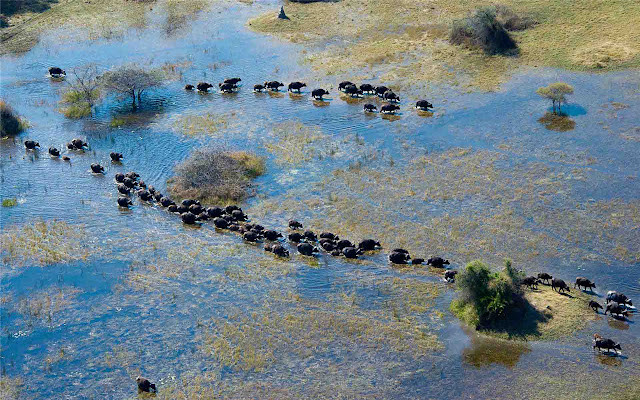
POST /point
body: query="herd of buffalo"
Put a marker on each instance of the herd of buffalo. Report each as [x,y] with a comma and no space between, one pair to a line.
[307,242]
[230,85]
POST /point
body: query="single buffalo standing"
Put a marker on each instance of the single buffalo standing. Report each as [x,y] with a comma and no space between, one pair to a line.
[616,309]
[594,305]
[531,282]
[543,276]
[145,386]
[607,344]
[584,282]
[559,285]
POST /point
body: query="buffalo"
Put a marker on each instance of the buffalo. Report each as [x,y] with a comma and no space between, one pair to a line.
[450,275]
[56,72]
[232,81]
[296,86]
[189,87]
[352,90]
[437,262]
[144,195]
[389,109]
[369,244]
[53,152]
[97,168]
[296,237]
[293,224]
[115,157]
[318,93]
[398,257]
[417,261]
[531,282]
[145,386]
[380,90]
[251,236]
[350,252]
[367,88]
[271,234]
[188,218]
[583,282]
[423,105]
[273,86]
[31,145]
[329,235]
[226,87]
[607,344]
[594,305]
[307,249]
[124,202]
[370,108]
[215,212]
[258,88]
[543,276]
[391,97]
[203,86]
[220,223]
[559,285]
[618,298]
[616,309]
[343,85]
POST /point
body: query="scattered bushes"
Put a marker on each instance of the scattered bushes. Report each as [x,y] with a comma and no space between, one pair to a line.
[483,30]
[486,296]
[10,123]
[216,176]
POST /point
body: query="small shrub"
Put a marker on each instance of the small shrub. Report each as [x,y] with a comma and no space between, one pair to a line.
[511,21]
[216,176]
[10,123]
[9,202]
[483,30]
[76,111]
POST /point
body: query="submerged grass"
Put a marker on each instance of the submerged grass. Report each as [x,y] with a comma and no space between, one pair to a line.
[295,143]
[467,205]
[374,34]
[12,202]
[44,243]
[41,307]
[264,338]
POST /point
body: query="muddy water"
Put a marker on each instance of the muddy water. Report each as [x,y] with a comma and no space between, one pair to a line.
[152,290]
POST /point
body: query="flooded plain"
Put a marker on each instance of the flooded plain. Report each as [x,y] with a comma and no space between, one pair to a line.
[93,295]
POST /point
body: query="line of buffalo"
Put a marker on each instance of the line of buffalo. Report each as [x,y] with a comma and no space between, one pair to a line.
[230,85]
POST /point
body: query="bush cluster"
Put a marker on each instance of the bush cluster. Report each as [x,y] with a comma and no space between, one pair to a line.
[10,123]
[483,30]
[216,176]
[486,296]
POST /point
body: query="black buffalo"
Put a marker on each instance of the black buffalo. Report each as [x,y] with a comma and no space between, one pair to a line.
[369,244]
[97,168]
[318,93]
[584,282]
[389,109]
[296,86]
[307,249]
[145,386]
[343,85]
[370,108]
[594,305]
[543,276]
[531,282]
[203,86]
[559,285]
[293,224]
[606,344]
[450,275]
[437,262]
[53,152]
[31,144]
[115,157]
[423,105]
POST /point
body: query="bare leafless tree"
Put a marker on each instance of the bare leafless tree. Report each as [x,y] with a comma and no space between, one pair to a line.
[131,81]
[84,81]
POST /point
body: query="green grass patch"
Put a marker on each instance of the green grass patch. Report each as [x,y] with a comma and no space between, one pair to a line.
[9,202]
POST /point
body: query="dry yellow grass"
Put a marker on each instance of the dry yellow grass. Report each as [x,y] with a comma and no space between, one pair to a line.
[400,40]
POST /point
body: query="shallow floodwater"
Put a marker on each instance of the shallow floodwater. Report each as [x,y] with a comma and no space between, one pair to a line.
[137,292]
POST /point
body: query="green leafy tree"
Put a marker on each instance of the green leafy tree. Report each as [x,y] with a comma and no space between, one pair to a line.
[556,92]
